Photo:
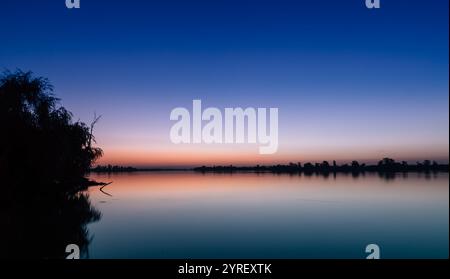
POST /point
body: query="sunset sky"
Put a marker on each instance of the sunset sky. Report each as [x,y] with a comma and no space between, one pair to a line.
[349,82]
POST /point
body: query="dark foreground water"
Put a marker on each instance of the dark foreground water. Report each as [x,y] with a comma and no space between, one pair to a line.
[249,215]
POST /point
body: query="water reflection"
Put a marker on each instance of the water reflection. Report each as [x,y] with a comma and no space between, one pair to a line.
[42,226]
[265,215]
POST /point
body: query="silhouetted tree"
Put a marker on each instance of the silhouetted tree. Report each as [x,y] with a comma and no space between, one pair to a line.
[39,139]
[386,162]
[44,156]
[308,167]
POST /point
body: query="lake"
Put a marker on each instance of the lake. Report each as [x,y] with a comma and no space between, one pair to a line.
[248,215]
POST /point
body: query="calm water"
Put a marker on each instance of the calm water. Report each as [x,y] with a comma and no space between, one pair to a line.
[248,215]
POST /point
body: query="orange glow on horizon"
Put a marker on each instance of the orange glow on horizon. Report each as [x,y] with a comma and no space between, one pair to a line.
[190,156]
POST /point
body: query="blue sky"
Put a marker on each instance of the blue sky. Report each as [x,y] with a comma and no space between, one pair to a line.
[348,81]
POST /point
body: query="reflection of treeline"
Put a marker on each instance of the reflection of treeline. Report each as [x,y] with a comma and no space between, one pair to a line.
[110,168]
[384,165]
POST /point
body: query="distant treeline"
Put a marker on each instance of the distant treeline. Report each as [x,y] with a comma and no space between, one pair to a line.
[384,165]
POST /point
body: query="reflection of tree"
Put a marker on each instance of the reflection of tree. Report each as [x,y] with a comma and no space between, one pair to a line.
[387,175]
[41,227]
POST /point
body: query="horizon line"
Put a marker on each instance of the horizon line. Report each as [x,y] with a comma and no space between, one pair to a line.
[192,166]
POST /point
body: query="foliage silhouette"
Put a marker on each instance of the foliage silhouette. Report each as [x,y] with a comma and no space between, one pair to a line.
[44,156]
[40,139]
[386,165]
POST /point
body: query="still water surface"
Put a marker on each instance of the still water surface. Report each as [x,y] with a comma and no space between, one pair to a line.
[249,215]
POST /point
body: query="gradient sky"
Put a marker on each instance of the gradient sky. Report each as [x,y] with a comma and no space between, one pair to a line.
[349,82]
